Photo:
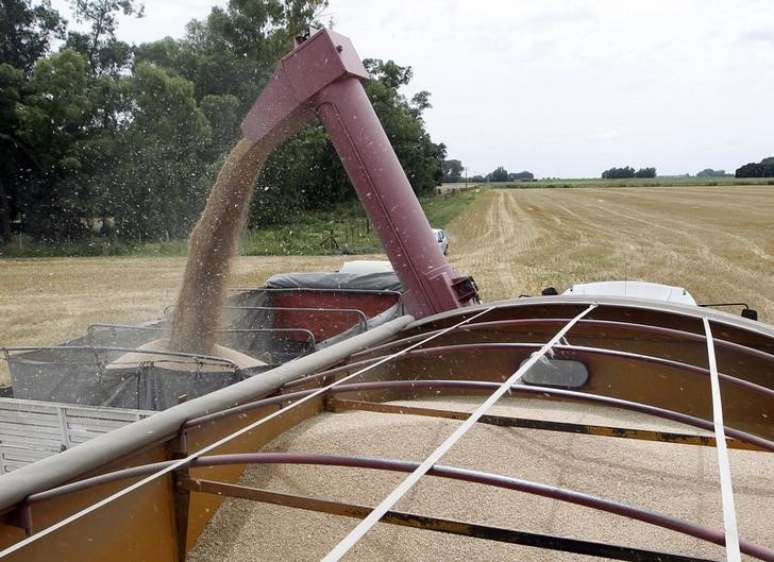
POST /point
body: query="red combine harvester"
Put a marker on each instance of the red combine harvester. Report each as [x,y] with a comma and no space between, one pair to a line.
[549,390]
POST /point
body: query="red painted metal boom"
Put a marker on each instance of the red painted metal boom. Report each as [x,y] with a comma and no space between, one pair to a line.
[322,76]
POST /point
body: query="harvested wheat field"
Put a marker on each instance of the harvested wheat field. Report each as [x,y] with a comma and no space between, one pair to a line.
[46,301]
[716,242]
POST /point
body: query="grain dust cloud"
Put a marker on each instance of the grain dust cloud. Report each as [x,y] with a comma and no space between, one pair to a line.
[197,314]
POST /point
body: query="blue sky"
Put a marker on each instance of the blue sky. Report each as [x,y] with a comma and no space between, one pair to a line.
[566,88]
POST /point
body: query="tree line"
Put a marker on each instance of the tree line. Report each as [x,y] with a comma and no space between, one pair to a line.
[96,133]
[710,173]
[501,174]
[453,169]
[762,169]
[628,172]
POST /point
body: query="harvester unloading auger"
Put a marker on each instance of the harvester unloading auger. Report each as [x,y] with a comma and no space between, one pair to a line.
[690,381]
[321,77]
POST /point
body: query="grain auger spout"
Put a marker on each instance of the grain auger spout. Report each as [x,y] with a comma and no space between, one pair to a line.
[322,76]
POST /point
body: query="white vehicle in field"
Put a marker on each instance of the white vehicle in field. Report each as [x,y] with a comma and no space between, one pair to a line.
[650,291]
[364,267]
[443,239]
[635,289]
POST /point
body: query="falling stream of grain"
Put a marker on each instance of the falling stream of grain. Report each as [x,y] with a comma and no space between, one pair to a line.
[214,239]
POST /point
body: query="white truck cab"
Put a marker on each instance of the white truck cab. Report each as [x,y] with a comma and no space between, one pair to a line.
[635,289]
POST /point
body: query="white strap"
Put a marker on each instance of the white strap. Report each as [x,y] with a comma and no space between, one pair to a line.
[726,489]
[378,512]
[230,437]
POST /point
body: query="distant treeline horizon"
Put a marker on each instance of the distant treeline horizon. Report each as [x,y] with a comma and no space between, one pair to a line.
[453,172]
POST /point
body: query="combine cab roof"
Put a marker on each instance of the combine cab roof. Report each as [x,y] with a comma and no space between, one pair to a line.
[634,289]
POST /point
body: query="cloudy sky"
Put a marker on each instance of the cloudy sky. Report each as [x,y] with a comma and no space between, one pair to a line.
[566,88]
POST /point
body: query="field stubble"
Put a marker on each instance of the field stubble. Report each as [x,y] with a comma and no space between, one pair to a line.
[718,243]
[45,301]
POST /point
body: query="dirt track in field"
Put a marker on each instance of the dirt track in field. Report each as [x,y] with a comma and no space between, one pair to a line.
[716,242]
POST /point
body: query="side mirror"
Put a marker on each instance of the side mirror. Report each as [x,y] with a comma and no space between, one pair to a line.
[750,313]
[549,291]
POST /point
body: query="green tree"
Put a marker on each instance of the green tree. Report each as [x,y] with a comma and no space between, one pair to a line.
[645,173]
[102,129]
[26,32]
[230,55]
[762,169]
[99,45]
[521,176]
[54,122]
[499,174]
[452,170]
[157,189]
[222,113]
[710,173]
[16,157]
[619,173]
[234,50]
